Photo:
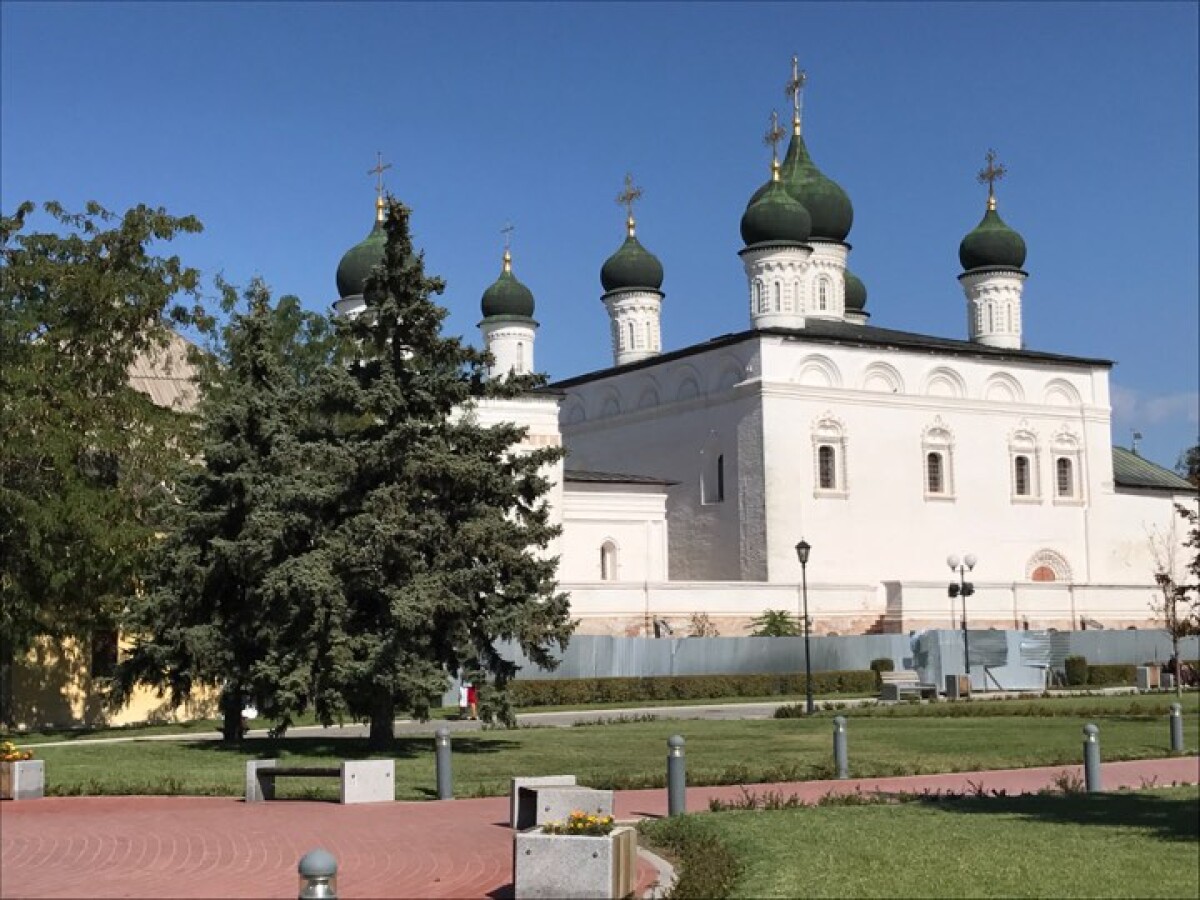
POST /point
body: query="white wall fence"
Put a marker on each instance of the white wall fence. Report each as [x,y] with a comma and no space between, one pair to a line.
[840,609]
[598,656]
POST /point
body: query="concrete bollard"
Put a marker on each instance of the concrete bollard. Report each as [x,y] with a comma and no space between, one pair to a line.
[441,743]
[676,777]
[318,875]
[1176,728]
[841,758]
[1091,758]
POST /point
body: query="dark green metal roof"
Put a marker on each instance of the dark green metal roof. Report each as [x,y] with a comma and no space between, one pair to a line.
[775,216]
[856,293]
[992,244]
[827,204]
[507,297]
[358,262]
[631,267]
[1131,470]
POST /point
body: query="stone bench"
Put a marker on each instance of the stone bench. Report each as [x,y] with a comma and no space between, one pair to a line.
[895,685]
[533,781]
[539,804]
[362,780]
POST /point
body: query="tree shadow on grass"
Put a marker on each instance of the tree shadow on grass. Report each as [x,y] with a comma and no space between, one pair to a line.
[355,748]
[1169,818]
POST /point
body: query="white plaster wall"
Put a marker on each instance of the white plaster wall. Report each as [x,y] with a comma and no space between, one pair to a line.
[670,421]
[633,518]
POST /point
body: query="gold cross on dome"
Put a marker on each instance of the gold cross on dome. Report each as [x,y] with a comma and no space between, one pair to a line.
[773,136]
[627,197]
[795,90]
[990,174]
[380,168]
[507,231]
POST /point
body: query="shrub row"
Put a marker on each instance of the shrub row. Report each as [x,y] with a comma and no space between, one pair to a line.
[579,691]
[1112,674]
[1079,673]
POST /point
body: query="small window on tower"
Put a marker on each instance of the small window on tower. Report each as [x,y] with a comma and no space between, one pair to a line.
[823,295]
[778,298]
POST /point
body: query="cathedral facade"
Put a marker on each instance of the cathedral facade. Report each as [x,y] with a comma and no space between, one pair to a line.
[691,475]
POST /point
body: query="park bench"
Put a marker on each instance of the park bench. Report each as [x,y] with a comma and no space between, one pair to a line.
[362,780]
[896,685]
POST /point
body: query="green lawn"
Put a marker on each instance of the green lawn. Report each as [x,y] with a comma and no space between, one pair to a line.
[632,754]
[1125,844]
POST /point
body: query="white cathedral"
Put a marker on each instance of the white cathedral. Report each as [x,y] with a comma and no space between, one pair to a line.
[691,474]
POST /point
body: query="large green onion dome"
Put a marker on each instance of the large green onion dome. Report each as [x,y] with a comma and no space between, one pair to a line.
[632,267]
[856,293]
[356,265]
[827,204]
[774,216]
[507,297]
[992,244]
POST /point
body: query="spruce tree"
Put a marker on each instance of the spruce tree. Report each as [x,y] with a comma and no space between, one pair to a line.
[440,549]
[231,600]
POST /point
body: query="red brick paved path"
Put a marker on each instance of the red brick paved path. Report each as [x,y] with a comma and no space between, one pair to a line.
[220,847]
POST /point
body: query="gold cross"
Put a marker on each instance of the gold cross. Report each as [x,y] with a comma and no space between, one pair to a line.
[631,193]
[626,198]
[507,231]
[794,89]
[991,173]
[772,138]
[378,171]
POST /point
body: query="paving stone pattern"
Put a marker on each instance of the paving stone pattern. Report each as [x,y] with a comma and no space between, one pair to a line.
[166,847]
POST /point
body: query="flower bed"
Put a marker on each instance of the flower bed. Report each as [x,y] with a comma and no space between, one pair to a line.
[587,855]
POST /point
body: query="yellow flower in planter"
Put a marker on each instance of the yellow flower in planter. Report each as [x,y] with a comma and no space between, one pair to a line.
[9,752]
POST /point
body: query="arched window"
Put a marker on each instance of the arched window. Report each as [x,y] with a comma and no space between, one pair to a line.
[1021,485]
[756,296]
[826,467]
[778,298]
[991,314]
[823,294]
[520,357]
[608,561]
[632,337]
[934,481]
[1043,573]
[1064,476]
[649,335]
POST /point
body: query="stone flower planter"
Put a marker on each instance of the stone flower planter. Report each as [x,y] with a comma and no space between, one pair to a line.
[573,866]
[24,780]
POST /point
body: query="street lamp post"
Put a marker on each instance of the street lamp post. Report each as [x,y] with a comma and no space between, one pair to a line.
[802,550]
[963,589]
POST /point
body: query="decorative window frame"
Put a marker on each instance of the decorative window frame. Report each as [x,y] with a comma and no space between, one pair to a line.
[1023,441]
[1065,446]
[938,438]
[829,431]
[1052,560]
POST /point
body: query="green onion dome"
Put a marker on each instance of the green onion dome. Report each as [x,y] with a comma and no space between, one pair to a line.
[774,216]
[631,267]
[507,296]
[827,204]
[856,293]
[356,265]
[992,244]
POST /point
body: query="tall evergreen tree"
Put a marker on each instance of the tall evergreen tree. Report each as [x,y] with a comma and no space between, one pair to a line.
[441,544]
[221,604]
[82,454]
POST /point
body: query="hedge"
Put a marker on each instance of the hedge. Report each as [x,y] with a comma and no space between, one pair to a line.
[881,665]
[1076,670]
[580,691]
[1112,674]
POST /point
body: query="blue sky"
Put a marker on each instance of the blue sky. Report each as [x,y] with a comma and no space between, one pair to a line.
[262,119]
